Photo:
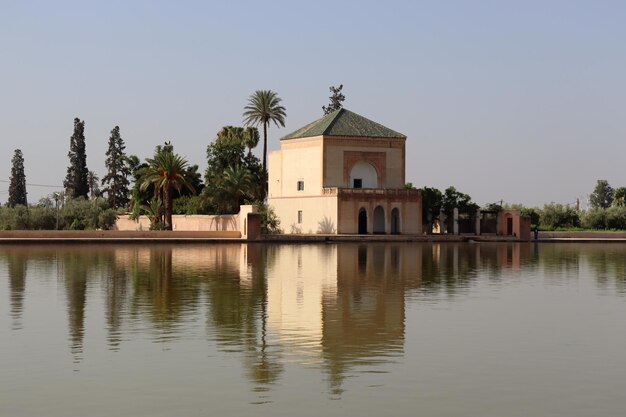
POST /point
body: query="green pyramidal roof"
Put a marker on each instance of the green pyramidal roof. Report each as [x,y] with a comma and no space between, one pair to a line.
[343,122]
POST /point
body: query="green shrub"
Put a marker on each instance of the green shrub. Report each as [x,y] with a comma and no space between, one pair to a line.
[555,215]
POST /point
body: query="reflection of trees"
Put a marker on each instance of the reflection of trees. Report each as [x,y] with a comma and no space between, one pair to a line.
[17,260]
[560,261]
[237,312]
[75,267]
[608,262]
[452,268]
[116,300]
[164,293]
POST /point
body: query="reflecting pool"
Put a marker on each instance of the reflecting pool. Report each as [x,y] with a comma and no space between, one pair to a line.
[327,329]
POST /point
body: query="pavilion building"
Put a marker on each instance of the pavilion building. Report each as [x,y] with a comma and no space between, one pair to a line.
[343,174]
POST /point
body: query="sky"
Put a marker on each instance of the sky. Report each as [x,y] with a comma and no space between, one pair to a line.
[520,101]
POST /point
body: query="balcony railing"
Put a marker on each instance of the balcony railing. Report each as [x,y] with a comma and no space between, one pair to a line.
[387,192]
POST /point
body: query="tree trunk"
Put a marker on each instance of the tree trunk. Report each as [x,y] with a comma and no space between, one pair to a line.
[264,179]
[167,197]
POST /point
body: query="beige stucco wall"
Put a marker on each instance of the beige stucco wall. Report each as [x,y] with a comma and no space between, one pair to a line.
[181,222]
[298,160]
[314,210]
[297,282]
[199,223]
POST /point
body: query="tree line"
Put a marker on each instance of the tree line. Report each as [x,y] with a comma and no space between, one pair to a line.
[606,211]
[160,186]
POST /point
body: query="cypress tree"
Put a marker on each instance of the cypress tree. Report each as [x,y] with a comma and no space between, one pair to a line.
[76,182]
[116,179]
[17,185]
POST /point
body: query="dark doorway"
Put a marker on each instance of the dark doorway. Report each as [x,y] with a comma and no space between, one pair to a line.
[362,222]
[509,226]
[395,221]
[358,183]
[379,220]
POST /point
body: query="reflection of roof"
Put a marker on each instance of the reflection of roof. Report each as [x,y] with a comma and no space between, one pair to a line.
[343,122]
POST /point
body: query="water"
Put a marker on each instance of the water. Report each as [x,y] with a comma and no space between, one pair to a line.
[309,330]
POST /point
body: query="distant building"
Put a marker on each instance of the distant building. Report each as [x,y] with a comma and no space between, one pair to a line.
[343,173]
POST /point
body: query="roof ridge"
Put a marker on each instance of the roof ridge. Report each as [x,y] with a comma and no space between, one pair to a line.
[343,122]
[334,120]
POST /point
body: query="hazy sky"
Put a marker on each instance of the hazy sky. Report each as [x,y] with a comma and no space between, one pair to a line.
[522,101]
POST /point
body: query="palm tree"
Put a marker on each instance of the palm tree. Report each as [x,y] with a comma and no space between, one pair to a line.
[237,183]
[264,107]
[166,171]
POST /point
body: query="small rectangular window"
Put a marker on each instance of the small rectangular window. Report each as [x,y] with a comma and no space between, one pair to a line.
[300,185]
[358,183]
[299,216]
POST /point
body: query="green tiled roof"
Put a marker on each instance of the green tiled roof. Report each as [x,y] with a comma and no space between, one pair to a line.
[343,122]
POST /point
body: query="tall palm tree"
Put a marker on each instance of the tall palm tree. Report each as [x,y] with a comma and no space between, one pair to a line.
[166,171]
[264,107]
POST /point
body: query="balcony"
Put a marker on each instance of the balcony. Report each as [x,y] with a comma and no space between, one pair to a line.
[371,192]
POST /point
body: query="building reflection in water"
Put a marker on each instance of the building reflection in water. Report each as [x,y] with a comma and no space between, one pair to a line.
[334,307]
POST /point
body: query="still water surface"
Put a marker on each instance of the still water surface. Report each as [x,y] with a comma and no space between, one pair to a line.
[309,330]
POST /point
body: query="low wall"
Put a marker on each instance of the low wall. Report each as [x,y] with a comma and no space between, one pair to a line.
[198,223]
[42,236]
[582,235]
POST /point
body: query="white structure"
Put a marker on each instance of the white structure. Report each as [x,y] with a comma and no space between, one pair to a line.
[343,173]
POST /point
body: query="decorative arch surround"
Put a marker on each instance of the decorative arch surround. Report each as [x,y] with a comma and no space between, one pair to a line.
[377,159]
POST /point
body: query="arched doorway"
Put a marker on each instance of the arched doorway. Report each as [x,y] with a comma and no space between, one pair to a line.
[395,221]
[379,220]
[362,221]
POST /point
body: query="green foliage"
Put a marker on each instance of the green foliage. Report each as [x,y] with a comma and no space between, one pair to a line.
[432,200]
[612,218]
[188,205]
[336,100]
[116,181]
[453,198]
[408,186]
[17,183]
[80,213]
[556,215]
[495,207]
[76,182]
[270,223]
[77,225]
[166,172]
[602,195]
[533,214]
[158,226]
[232,176]
[620,196]
[75,214]
[92,180]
